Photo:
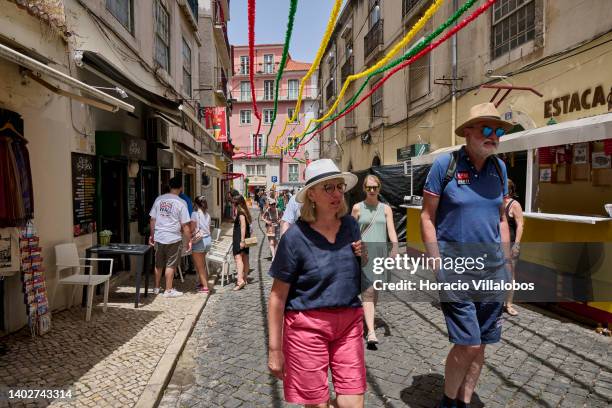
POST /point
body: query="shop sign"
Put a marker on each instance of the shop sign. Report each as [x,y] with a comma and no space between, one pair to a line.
[215,119]
[83,194]
[580,100]
[134,148]
[403,154]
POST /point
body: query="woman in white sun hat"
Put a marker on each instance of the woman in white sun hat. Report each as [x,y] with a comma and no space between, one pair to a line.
[315,318]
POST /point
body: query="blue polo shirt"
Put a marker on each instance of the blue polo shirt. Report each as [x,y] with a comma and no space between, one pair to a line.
[321,274]
[469,208]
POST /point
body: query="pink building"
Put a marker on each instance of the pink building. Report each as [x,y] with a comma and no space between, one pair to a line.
[280,171]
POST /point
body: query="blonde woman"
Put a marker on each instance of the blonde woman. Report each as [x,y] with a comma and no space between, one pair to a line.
[376,224]
[315,318]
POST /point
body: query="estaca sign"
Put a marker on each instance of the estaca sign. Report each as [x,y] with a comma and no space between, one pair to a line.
[215,119]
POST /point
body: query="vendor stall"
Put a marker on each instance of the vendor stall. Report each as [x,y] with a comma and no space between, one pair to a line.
[567,176]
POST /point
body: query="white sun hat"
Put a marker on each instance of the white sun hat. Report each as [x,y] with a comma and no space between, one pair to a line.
[322,170]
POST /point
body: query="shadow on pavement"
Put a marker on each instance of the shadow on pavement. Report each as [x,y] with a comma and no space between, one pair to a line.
[425,391]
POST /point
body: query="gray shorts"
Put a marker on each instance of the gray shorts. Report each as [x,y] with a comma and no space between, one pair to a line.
[168,255]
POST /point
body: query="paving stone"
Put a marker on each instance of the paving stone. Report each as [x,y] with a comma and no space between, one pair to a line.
[539,360]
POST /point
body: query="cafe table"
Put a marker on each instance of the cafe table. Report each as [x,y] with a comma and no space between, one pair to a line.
[138,252]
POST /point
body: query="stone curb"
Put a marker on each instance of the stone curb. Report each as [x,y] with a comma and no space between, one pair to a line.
[151,396]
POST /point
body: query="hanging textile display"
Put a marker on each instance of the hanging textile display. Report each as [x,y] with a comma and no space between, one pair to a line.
[16,194]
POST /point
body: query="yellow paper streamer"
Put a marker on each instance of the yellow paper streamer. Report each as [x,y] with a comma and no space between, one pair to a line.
[326,36]
[396,48]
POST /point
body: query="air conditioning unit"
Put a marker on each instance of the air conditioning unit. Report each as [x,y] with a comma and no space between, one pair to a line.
[157,132]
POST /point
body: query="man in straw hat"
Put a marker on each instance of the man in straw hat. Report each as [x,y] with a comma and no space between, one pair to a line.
[463,203]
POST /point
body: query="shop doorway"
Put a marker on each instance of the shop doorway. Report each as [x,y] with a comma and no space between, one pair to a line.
[112,198]
[516,166]
[165,176]
[149,190]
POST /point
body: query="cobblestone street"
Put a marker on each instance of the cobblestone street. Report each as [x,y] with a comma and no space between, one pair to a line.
[543,360]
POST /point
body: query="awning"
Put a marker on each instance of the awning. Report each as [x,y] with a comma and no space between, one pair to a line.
[576,131]
[102,100]
[193,156]
[100,66]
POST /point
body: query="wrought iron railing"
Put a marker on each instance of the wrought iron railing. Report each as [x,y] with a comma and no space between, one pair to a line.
[373,38]
[347,68]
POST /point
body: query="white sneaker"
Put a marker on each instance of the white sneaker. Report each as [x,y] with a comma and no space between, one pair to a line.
[172,293]
[156,291]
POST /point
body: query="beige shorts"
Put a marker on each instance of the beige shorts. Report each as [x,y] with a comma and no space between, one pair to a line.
[168,255]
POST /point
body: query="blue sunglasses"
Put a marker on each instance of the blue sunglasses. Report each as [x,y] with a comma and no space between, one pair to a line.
[488,131]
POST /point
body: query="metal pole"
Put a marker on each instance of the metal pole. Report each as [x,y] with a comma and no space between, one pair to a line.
[454,82]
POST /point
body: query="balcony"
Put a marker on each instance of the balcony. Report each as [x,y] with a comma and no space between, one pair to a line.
[190,9]
[284,95]
[220,82]
[373,41]
[220,33]
[347,68]
[408,6]
[330,90]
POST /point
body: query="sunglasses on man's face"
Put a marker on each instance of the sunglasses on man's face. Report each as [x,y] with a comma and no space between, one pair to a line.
[371,188]
[330,188]
[488,131]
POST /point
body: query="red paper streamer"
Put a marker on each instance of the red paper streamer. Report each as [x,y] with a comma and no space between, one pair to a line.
[251,21]
[404,64]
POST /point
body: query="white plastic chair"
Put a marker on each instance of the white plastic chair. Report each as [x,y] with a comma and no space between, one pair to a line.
[219,253]
[67,257]
[216,234]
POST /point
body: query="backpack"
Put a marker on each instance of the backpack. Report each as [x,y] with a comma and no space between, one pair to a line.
[452,169]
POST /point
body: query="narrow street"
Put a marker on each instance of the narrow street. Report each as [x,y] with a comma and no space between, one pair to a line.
[542,361]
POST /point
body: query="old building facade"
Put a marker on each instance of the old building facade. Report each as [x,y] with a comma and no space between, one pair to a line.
[275,169]
[523,43]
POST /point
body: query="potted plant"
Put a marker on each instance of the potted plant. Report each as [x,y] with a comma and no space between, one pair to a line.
[104,237]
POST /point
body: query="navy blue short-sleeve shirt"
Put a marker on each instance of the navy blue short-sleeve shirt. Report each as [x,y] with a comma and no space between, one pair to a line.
[321,274]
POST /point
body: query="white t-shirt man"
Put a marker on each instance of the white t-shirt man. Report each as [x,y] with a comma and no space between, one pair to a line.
[292,211]
[170,213]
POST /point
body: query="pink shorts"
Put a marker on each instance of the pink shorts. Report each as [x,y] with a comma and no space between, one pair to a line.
[315,340]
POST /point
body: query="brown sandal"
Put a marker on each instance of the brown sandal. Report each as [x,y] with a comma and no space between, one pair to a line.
[239,286]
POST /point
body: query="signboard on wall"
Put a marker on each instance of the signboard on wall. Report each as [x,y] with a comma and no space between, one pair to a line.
[215,119]
[83,193]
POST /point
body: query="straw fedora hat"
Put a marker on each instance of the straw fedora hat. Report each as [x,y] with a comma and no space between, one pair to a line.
[322,170]
[480,112]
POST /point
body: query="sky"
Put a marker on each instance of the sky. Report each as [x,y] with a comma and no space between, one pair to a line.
[271,23]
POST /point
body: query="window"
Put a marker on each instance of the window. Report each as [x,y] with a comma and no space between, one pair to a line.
[186,68]
[292,88]
[244,65]
[268,63]
[267,115]
[268,90]
[293,172]
[294,142]
[513,25]
[257,143]
[245,91]
[290,113]
[122,11]
[245,117]
[255,169]
[374,12]
[162,35]
[376,107]
[419,77]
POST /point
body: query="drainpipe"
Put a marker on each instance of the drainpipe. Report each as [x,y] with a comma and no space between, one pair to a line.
[454,82]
